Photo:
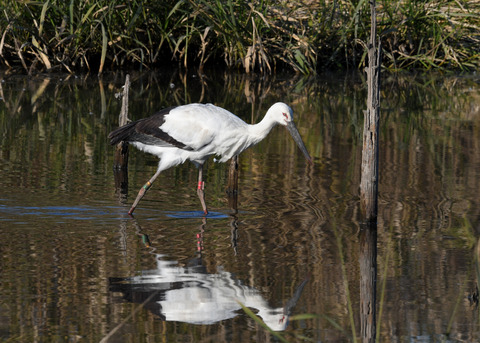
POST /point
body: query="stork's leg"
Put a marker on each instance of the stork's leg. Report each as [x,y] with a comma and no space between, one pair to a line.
[143,190]
[200,188]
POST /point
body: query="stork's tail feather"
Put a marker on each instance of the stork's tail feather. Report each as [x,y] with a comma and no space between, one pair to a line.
[123,133]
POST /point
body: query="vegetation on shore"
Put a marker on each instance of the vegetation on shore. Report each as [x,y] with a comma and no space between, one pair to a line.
[258,36]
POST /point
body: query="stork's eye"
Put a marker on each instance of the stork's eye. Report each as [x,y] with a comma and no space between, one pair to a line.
[285,115]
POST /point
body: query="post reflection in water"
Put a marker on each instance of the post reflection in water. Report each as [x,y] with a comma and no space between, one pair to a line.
[368,281]
[192,295]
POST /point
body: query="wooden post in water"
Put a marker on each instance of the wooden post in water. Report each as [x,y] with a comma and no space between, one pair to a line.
[232,196]
[232,187]
[120,163]
[369,190]
[369,178]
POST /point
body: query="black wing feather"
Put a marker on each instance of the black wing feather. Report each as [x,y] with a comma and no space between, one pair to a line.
[146,131]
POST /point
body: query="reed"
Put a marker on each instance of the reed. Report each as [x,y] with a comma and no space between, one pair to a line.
[259,36]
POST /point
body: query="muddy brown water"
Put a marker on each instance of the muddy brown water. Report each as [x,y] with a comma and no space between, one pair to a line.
[74,267]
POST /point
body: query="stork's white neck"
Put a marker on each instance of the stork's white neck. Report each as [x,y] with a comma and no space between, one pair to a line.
[259,131]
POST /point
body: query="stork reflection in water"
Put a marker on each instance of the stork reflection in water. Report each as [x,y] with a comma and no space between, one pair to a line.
[192,295]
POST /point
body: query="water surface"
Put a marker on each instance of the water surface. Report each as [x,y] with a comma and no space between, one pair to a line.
[76,267]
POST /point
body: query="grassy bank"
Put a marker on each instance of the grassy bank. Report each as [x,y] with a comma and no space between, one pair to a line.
[259,36]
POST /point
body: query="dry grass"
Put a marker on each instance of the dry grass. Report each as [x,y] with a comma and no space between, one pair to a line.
[260,36]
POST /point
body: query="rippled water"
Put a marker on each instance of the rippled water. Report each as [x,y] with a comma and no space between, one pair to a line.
[76,267]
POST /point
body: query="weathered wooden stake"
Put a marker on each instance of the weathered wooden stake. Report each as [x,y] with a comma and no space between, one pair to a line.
[120,163]
[369,178]
[232,187]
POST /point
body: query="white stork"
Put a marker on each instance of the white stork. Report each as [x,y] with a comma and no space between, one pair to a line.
[197,131]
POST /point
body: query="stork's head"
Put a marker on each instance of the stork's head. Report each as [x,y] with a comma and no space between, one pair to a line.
[283,114]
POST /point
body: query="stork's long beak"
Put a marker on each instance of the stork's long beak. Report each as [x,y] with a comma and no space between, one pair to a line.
[296,137]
